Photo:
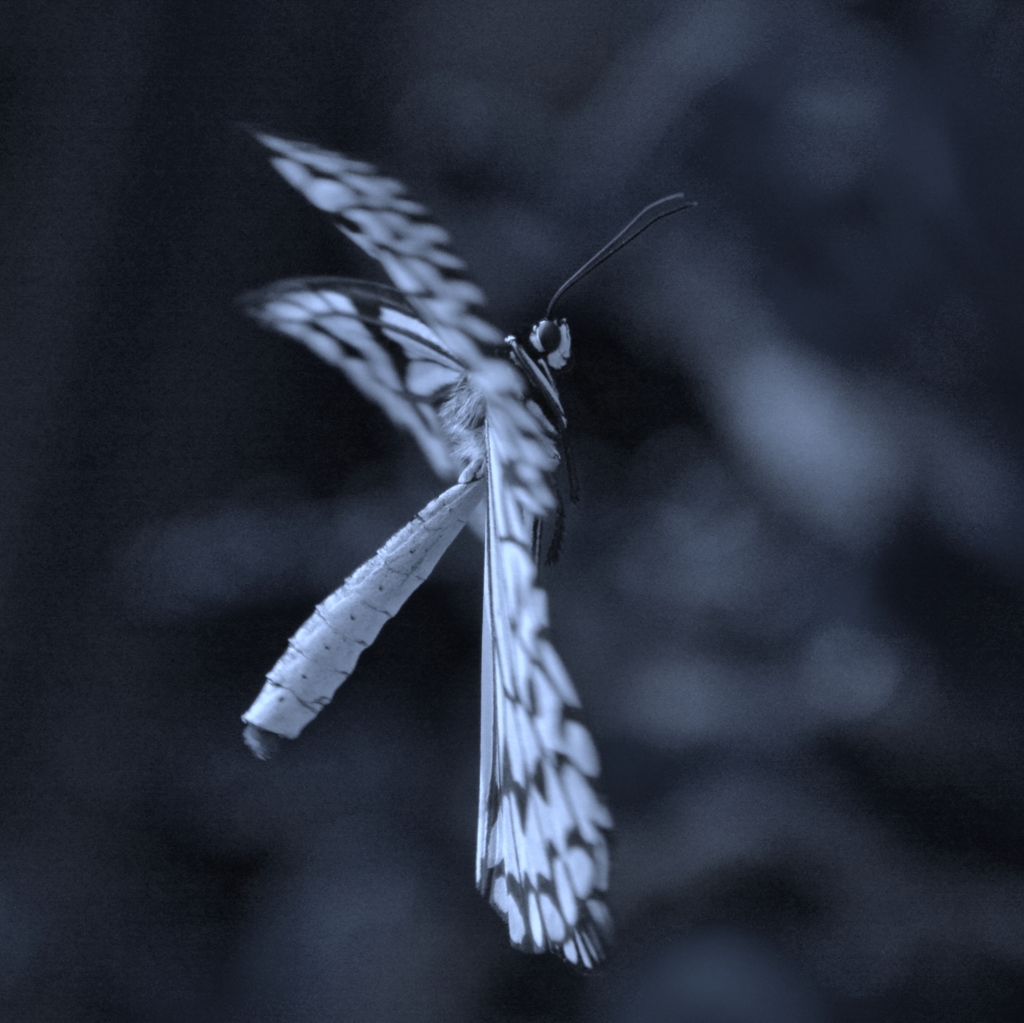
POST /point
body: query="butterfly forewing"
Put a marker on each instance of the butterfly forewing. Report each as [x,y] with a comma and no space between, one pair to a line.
[374,212]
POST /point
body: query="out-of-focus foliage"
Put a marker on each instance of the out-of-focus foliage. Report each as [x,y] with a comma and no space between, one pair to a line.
[791,595]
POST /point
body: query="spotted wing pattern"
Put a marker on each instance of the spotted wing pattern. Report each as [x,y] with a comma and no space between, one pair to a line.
[374,212]
[542,854]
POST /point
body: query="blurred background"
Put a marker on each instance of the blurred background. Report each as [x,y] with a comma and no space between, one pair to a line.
[791,596]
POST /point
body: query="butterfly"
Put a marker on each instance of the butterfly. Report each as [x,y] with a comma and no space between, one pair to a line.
[486,413]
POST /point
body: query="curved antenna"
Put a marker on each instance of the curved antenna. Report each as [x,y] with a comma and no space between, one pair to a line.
[644,219]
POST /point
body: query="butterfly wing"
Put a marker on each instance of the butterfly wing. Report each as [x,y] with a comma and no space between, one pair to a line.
[376,339]
[542,855]
[374,212]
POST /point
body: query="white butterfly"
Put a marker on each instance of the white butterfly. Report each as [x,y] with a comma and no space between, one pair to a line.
[486,413]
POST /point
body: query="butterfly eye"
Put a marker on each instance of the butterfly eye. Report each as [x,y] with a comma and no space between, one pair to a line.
[546,336]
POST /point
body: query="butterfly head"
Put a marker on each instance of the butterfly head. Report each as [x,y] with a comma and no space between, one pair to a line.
[550,342]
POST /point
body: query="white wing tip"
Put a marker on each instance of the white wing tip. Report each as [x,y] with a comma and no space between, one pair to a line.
[532,928]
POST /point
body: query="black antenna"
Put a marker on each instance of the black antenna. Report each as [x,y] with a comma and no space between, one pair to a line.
[644,219]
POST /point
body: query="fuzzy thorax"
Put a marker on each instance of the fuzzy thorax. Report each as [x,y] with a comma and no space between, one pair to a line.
[462,420]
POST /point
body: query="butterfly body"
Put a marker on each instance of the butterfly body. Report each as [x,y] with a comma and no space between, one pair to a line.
[485,411]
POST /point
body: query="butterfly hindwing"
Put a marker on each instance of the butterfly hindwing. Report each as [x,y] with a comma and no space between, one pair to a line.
[542,851]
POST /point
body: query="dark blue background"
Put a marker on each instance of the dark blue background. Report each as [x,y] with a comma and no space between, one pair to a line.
[791,596]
